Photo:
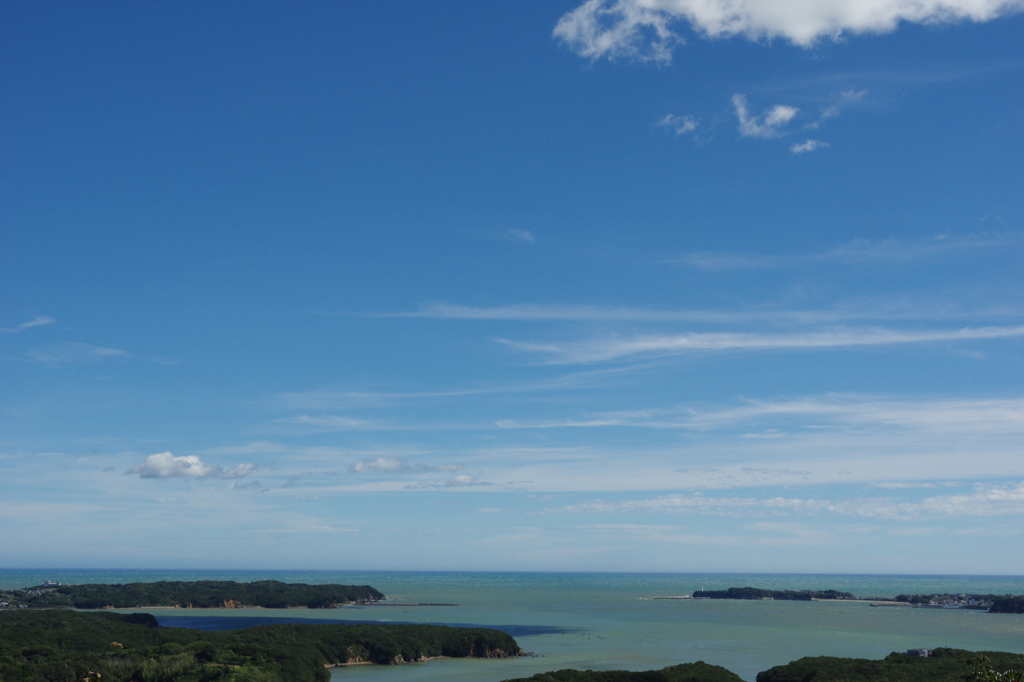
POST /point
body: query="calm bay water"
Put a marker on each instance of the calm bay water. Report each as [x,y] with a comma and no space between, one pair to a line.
[611,621]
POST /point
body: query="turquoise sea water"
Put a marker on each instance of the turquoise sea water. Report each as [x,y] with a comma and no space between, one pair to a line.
[611,621]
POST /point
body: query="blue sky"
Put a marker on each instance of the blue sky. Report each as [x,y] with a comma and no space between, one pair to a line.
[621,285]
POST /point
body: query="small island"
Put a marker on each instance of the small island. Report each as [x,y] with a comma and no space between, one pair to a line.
[685,672]
[200,594]
[985,602]
[54,644]
[757,593]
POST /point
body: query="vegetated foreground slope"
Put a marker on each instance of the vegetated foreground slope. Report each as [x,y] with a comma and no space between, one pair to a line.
[944,665]
[199,594]
[37,645]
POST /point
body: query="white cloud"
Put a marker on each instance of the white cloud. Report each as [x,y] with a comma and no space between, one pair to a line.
[166,465]
[73,352]
[807,146]
[768,123]
[680,125]
[616,348]
[642,30]
[396,464]
[37,321]
[621,29]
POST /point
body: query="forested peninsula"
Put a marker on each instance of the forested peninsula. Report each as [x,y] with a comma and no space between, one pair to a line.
[205,594]
[942,665]
[48,645]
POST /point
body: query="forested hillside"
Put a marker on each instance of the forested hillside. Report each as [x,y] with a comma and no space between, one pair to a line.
[53,645]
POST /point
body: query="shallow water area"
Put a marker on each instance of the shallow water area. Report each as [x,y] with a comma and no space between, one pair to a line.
[612,621]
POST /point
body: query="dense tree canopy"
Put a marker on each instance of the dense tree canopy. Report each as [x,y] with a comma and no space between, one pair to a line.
[35,646]
[943,665]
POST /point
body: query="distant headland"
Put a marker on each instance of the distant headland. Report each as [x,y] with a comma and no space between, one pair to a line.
[200,594]
[983,602]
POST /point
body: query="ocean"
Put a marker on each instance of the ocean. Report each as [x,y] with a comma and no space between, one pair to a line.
[611,621]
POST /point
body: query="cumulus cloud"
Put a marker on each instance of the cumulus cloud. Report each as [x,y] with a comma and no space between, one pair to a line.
[166,465]
[768,123]
[643,30]
[807,146]
[37,321]
[396,464]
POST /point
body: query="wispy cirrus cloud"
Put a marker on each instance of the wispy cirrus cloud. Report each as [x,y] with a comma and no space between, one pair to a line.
[518,235]
[857,252]
[844,100]
[644,30]
[253,448]
[863,310]
[37,321]
[396,465]
[460,481]
[985,500]
[680,125]
[992,417]
[327,422]
[619,348]
[166,465]
[73,353]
